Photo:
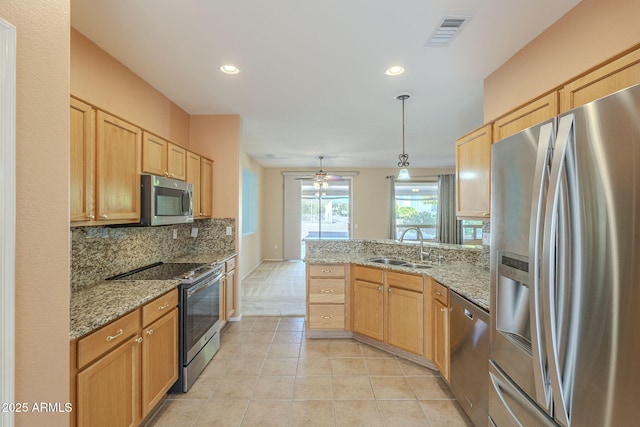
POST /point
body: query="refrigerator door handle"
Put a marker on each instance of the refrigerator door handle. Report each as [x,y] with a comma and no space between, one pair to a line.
[550,286]
[540,372]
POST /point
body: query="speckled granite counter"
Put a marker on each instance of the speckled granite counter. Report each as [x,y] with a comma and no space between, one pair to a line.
[105,301]
[470,281]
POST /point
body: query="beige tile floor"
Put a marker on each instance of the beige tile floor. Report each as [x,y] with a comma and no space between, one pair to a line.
[267,373]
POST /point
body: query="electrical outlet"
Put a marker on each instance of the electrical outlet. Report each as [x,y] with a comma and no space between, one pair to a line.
[229,231]
[175,234]
[194,231]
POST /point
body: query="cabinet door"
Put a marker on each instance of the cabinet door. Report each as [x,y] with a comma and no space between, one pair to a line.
[82,161]
[441,338]
[406,322]
[154,154]
[611,77]
[193,176]
[109,390]
[159,359]
[230,294]
[118,165]
[176,162]
[473,172]
[368,309]
[206,188]
[533,113]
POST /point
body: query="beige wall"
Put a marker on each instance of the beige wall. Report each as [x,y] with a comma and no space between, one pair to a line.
[587,35]
[42,220]
[251,244]
[99,79]
[370,206]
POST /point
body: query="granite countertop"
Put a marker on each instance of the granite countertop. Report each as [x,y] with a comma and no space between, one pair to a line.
[470,281]
[106,300]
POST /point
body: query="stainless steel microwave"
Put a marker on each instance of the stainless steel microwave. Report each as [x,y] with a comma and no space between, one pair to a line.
[165,201]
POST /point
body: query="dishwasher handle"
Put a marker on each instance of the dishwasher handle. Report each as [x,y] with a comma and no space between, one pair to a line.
[468,314]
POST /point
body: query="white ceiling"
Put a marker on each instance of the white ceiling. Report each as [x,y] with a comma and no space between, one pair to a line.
[312,76]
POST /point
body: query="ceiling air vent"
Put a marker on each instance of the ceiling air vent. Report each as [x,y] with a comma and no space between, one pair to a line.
[449,27]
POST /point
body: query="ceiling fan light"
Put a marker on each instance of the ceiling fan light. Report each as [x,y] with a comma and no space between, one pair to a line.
[404,174]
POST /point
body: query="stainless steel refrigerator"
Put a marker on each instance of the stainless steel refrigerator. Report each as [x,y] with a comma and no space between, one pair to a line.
[565,268]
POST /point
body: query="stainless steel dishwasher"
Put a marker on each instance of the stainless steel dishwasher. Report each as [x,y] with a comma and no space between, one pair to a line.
[469,341]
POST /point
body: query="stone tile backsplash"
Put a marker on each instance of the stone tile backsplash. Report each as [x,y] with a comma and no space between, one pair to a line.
[101,252]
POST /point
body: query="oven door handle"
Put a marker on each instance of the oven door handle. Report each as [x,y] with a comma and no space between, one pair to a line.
[193,290]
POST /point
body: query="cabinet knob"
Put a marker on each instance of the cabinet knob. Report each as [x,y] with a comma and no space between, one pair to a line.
[149,332]
[443,309]
[91,216]
[139,340]
[380,288]
[103,216]
[389,290]
[166,173]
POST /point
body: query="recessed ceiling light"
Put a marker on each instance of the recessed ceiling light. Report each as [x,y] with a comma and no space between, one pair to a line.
[396,70]
[229,69]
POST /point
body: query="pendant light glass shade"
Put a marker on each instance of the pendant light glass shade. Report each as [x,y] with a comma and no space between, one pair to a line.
[404,157]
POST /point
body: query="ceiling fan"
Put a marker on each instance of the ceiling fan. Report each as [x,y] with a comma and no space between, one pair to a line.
[320,178]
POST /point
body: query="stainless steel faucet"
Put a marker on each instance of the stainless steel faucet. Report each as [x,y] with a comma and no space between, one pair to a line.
[419,237]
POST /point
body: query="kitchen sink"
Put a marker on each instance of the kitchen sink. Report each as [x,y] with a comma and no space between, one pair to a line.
[389,261]
[392,261]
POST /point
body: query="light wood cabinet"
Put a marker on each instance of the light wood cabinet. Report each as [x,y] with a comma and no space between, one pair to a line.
[206,189]
[440,310]
[473,174]
[537,111]
[109,390]
[159,359]
[326,297]
[123,369]
[161,157]
[82,165]
[228,290]
[405,311]
[368,314]
[193,177]
[118,166]
[606,79]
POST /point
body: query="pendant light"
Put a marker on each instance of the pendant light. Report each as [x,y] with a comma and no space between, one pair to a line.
[404,157]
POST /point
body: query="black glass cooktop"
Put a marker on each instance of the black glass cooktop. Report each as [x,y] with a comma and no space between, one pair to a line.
[159,271]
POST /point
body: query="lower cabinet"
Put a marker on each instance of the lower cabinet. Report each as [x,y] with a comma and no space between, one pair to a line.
[389,307]
[326,297]
[125,368]
[228,290]
[440,303]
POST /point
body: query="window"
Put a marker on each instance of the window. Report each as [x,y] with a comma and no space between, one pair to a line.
[249,202]
[472,232]
[416,205]
[325,212]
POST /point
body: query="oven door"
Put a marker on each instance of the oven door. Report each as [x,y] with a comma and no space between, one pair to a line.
[201,314]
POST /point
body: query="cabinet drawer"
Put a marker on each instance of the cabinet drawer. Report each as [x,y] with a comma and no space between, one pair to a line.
[326,291]
[326,270]
[368,274]
[441,293]
[230,264]
[405,281]
[159,307]
[108,337]
[326,316]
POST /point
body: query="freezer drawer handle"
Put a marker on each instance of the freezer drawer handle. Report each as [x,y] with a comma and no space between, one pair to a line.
[468,314]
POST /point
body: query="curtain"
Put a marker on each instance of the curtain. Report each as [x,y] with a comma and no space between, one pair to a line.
[449,228]
[392,204]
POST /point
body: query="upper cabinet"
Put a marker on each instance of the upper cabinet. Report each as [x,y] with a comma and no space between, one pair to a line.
[206,188]
[611,77]
[473,172]
[535,112]
[193,177]
[82,165]
[161,157]
[118,166]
